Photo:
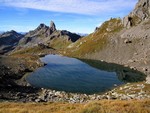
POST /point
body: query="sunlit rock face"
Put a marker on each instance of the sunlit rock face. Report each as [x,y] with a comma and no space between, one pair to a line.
[140,13]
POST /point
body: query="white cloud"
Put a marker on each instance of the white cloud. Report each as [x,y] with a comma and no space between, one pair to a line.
[88,7]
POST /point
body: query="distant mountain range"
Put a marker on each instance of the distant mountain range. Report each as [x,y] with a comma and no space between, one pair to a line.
[8,40]
[43,34]
[83,34]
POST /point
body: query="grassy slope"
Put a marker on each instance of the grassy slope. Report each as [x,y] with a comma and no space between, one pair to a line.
[95,41]
[32,50]
[60,43]
[104,106]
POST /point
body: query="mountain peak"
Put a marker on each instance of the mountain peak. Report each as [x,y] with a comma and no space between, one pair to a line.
[8,33]
[140,13]
[12,31]
[52,26]
[42,25]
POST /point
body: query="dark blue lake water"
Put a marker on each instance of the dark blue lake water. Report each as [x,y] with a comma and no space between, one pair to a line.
[72,75]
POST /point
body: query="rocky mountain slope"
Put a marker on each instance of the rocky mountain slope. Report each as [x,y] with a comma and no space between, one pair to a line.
[8,40]
[42,35]
[122,41]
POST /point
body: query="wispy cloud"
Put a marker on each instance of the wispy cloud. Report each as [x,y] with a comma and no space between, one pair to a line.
[87,7]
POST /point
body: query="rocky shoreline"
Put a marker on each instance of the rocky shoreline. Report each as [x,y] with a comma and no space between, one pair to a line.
[30,94]
[47,95]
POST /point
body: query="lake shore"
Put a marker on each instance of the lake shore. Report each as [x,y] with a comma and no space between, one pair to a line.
[25,93]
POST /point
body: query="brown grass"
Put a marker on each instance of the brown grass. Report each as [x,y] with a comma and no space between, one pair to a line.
[32,50]
[25,56]
[103,106]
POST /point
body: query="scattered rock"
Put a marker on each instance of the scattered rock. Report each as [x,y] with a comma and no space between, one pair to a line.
[145,69]
[127,41]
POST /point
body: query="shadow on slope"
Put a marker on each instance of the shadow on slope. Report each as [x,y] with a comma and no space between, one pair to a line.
[125,74]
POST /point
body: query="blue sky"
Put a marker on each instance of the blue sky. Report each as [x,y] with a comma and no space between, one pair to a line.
[80,16]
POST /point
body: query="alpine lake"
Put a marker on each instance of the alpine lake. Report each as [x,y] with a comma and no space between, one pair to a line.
[81,75]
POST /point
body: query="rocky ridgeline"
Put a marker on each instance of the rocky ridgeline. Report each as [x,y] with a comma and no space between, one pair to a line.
[45,34]
[42,29]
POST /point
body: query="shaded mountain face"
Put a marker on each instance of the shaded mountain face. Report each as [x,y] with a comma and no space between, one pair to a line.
[48,36]
[8,40]
[73,37]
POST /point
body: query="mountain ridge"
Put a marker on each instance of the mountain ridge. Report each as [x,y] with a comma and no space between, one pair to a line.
[46,35]
[9,40]
[121,41]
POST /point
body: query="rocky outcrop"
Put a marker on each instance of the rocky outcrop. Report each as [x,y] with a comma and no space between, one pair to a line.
[139,14]
[52,27]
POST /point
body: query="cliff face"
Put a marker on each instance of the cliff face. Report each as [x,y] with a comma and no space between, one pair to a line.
[140,13]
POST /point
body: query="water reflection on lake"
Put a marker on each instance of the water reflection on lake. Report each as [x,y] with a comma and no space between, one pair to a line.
[72,75]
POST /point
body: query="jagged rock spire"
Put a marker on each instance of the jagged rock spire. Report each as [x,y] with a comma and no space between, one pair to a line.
[52,26]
